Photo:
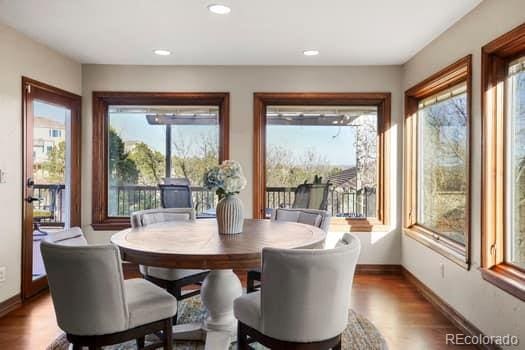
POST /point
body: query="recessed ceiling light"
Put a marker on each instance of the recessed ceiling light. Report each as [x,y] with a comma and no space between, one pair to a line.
[311,52]
[162,52]
[219,9]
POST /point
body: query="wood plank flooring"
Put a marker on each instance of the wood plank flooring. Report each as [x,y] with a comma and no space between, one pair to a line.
[406,319]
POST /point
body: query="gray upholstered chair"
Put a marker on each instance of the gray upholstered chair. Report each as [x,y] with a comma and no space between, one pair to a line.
[303,301]
[171,279]
[314,217]
[74,236]
[93,304]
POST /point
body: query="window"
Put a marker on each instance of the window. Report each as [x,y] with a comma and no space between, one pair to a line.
[437,161]
[515,250]
[337,139]
[147,138]
[55,133]
[503,179]
[150,143]
[336,144]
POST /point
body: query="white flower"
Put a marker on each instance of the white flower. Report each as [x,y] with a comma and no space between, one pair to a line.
[226,178]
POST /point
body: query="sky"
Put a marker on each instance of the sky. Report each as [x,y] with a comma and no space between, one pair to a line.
[49,111]
[334,143]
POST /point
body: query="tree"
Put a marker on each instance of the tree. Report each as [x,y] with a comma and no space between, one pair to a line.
[149,163]
[444,166]
[54,166]
[122,170]
[193,156]
[366,150]
[287,168]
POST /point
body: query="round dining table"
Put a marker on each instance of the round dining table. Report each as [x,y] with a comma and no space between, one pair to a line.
[198,245]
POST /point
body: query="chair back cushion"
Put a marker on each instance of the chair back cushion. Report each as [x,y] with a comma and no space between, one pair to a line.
[305,292]
[153,216]
[314,217]
[74,236]
[86,286]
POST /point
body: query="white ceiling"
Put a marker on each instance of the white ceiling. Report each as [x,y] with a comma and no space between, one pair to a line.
[256,32]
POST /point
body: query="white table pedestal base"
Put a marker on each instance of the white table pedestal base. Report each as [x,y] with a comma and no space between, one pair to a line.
[218,291]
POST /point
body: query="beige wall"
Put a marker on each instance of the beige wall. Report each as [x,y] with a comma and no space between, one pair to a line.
[241,82]
[492,310]
[20,56]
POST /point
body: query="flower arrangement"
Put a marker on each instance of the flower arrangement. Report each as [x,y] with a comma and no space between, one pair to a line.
[225,179]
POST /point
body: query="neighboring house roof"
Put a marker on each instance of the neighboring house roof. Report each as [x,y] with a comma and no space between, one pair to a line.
[46,122]
[346,178]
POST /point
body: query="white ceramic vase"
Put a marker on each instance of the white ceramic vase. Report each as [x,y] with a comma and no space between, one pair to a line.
[230,216]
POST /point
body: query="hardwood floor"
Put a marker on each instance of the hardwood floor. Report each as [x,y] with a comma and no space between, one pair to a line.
[406,319]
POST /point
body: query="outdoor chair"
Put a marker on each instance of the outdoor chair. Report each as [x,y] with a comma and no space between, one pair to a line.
[311,196]
[175,196]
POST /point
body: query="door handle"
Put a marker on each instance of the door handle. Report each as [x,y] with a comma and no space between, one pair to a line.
[32,199]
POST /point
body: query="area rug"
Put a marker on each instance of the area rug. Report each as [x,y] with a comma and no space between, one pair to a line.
[360,334]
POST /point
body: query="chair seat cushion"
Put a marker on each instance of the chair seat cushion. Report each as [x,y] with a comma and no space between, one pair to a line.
[247,309]
[166,273]
[147,303]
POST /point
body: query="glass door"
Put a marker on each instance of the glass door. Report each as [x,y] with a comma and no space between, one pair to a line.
[51,173]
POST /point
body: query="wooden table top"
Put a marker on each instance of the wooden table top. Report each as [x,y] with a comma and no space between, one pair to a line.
[198,245]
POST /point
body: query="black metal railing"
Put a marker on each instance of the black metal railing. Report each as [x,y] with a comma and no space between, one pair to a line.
[49,209]
[123,200]
[340,202]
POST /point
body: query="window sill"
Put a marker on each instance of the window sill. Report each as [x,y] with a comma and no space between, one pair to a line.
[357,225]
[441,246]
[506,277]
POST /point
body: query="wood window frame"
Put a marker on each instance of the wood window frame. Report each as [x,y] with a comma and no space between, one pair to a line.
[30,88]
[457,73]
[495,58]
[380,99]
[101,101]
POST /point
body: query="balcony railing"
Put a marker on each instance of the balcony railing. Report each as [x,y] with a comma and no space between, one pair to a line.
[49,211]
[123,200]
[341,203]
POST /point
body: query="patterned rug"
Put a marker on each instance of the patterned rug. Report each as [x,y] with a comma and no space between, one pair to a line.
[360,334]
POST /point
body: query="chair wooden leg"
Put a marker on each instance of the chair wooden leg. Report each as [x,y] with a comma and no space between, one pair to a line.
[168,334]
[176,291]
[338,346]
[242,339]
[250,284]
[141,342]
